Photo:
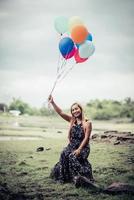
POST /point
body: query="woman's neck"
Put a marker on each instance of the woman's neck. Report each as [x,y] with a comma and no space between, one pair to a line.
[78,120]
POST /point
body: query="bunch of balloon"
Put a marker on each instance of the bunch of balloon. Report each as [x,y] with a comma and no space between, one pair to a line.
[75,42]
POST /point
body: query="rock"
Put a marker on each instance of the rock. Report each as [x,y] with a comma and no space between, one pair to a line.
[127,133]
[40,149]
[118,187]
[30,157]
[59,131]
[120,137]
[112,131]
[124,138]
[103,136]
[94,136]
[117,142]
[22,174]
[47,149]
[130,160]
[81,181]
[22,163]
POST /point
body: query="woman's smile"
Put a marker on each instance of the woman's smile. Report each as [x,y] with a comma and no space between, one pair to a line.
[76,114]
[76,111]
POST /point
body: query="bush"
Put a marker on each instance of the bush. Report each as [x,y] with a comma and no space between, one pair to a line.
[108,109]
[96,109]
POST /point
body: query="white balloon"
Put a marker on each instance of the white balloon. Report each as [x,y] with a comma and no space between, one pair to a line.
[86,49]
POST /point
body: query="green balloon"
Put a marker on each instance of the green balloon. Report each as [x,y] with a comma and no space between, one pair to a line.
[61,24]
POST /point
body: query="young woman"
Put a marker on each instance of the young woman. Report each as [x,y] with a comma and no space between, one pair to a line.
[73,160]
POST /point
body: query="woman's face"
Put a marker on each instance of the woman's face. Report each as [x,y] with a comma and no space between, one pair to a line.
[76,111]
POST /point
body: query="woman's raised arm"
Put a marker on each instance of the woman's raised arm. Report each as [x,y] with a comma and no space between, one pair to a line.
[58,110]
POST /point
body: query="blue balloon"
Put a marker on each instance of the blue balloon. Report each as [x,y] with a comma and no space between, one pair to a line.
[78,45]
[66,45]
[89,37]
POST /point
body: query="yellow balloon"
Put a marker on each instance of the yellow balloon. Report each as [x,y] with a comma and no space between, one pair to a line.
[74,21]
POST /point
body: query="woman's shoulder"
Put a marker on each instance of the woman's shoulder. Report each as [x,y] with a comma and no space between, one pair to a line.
[87,122]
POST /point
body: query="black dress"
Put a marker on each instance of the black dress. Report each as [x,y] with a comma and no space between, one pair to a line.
[70,165]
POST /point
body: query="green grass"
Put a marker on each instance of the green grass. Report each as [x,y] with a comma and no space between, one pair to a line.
[26,171]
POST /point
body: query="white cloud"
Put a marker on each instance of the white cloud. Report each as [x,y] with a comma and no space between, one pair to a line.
[29,51]
[35,89]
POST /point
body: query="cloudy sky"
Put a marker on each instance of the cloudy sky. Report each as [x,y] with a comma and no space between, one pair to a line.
[29,51]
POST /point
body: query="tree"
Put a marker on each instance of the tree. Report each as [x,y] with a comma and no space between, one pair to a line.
[3,107]
[18,104]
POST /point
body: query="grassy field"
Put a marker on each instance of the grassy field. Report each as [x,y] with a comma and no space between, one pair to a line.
[24,172]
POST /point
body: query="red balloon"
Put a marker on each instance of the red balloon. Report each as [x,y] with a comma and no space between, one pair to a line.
[78,59]
[71,54]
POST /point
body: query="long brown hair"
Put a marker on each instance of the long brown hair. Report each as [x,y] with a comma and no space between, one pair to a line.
[73,121]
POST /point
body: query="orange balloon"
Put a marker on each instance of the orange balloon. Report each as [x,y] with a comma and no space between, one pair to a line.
[79,34]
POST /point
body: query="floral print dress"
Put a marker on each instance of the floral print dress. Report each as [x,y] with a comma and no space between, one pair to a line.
[70,165]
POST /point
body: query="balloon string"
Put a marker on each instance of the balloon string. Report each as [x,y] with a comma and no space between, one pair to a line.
[58,63]
[63,63]
[59,56]
[62,68]
[66,73]
[54,85]
[60,73]
[58,76]
[65,60]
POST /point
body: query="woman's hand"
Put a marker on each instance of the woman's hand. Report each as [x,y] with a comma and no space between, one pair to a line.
[50,99]
[77,152]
